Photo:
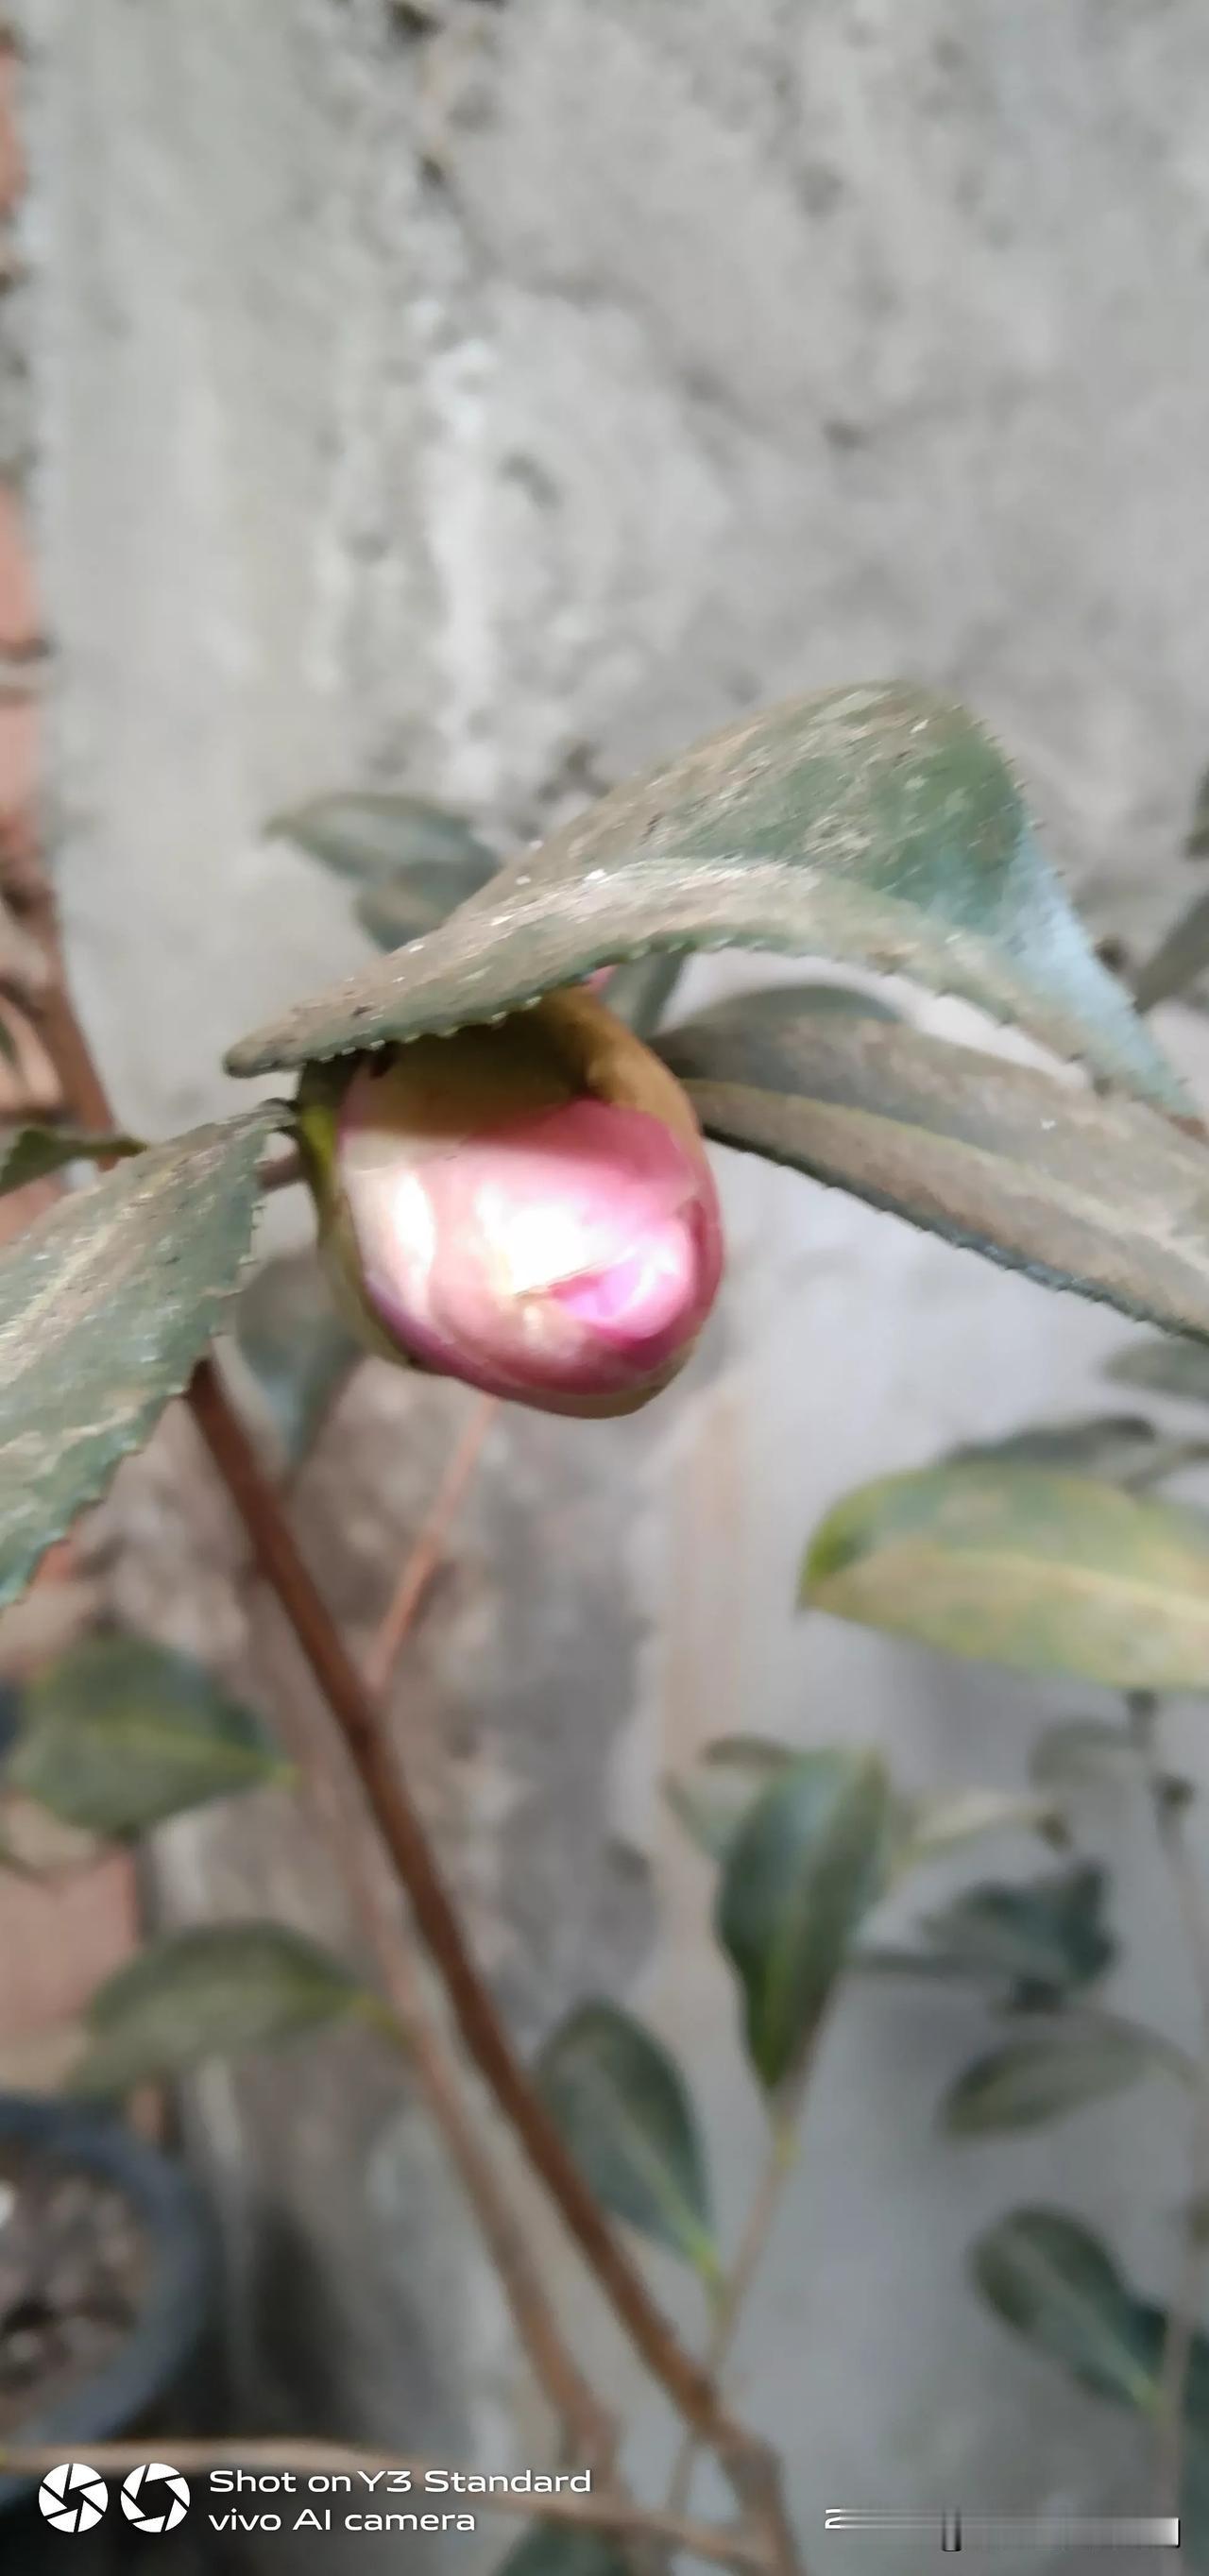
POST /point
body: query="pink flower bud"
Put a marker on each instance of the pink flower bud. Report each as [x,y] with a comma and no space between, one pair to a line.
[527,1207]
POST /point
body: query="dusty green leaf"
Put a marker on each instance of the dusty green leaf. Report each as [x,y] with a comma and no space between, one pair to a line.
[214,1992]
[715,1798]
[1044,1937]
[293,1341]
[1180,958]
[1051,2072]
[121,1733]
[877,826]
[1055,2282]
[624,2110]
[1016,1566]
[1100,1196]
[106,1303]
[32,1153]
[802,1872]
[942,1824]
[759,1040]
[1169,1366]
[558,2549]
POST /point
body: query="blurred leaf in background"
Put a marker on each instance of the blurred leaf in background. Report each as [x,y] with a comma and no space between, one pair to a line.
[122,1733]
[625,2112]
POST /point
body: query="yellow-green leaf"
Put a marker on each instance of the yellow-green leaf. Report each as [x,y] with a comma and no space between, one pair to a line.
[1011,1565]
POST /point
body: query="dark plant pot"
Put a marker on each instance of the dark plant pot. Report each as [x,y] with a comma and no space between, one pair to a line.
[175,2296]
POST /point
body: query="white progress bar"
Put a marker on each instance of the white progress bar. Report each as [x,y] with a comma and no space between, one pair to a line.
[958,2531]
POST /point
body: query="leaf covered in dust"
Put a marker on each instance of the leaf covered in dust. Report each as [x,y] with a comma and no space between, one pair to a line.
[879,827]
[106,1303]
[1096,1195]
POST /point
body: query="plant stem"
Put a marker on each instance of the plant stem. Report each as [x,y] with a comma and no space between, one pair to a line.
[587,2425]
[774,2175]
[589,2432]
[425,1556]
[721,2547]
[1186,2305]
[749,2462]
[473,2008]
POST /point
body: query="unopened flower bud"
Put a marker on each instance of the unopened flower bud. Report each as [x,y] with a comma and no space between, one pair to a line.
[527,1207]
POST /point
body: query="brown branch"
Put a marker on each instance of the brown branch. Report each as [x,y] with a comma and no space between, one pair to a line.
[588,2429]
[1189,2293]
[425,1556]
[587,2424]
[721,2547]
[750,2463]
[474,2010]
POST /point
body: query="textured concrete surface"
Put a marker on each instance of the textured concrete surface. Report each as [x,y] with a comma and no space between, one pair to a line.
[486,409]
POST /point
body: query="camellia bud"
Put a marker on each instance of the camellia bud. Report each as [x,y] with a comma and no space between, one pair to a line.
[528,1207]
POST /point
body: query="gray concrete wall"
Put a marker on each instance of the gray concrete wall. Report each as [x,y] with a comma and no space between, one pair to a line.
[484,409]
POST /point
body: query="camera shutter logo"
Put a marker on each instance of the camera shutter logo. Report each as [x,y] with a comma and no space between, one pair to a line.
[73,2497]
[155,2497]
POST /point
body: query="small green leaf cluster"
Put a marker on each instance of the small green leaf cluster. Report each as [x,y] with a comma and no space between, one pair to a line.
[1048,1552]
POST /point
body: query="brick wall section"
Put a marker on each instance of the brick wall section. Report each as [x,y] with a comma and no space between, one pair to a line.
[58,1939]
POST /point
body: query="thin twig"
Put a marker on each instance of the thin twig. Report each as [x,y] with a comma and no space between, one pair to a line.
[774,2175]
[1189,2293]
[587,2425]
[588,2430]
[425,1556]
[722,2547]
[475,2012]
[750,2463]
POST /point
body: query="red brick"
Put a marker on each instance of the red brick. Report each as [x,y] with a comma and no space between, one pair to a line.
[18,756]
[18,599]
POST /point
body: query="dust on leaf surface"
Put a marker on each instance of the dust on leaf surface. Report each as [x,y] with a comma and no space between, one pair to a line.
[880,826]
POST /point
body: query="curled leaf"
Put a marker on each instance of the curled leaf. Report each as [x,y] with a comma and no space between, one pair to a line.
[1100,1196]
[877,826]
